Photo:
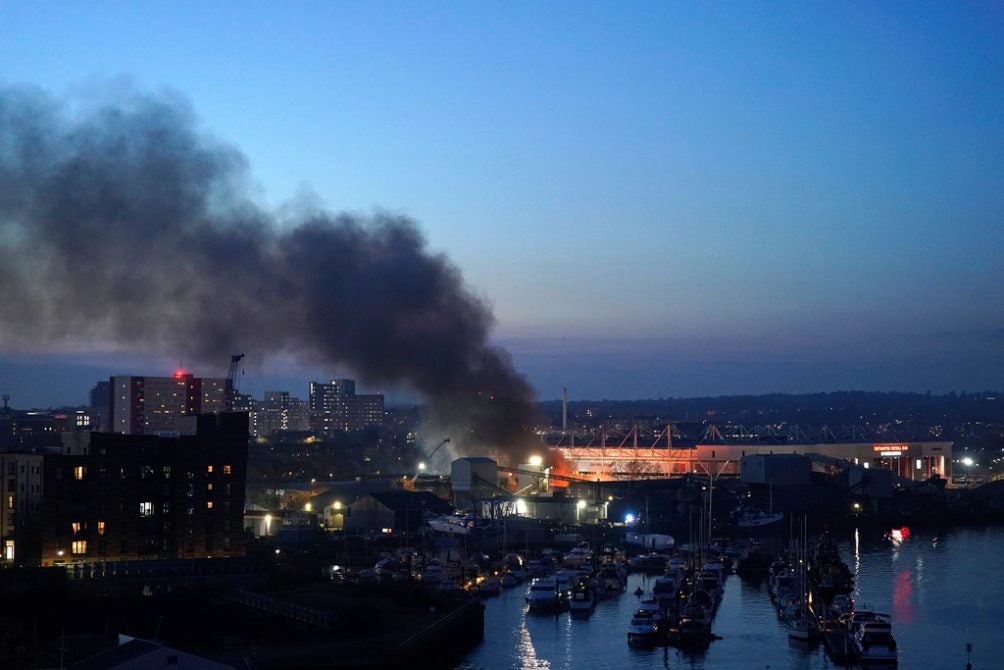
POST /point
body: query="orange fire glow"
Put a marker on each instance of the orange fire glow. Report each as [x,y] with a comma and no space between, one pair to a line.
[559,466]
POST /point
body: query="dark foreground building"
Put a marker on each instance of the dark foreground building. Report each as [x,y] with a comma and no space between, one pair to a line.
[130,497]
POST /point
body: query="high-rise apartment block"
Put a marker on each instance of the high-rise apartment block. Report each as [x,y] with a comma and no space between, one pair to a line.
[336,407]
[163,405]
[279,411]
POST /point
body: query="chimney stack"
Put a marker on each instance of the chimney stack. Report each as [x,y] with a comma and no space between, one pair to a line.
[564,410]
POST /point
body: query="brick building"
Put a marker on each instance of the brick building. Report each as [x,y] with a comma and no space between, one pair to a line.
[147,496]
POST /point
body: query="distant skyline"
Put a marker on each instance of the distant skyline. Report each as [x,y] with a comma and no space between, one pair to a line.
[656,199]
[57,381]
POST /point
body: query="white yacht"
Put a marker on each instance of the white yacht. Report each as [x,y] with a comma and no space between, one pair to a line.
[584,596]
[803,627]
[651,605]
[643,628]
[870,635]
[665,589]
[548,594]
[757,518]
[452,524]
[578,556]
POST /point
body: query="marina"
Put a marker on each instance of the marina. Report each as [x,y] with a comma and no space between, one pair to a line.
[939,591]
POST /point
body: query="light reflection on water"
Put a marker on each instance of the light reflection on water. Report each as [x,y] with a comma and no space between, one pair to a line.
[942,592]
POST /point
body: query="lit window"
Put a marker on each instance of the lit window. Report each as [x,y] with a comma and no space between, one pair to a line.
[209,504]
[209,486]
[209,469]
[101,527]
[79,472]
[75,526]
[146,509]
[10,502]
[78,547]
[226,469]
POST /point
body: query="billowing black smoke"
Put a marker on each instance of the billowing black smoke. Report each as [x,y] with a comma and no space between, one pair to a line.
[125,226]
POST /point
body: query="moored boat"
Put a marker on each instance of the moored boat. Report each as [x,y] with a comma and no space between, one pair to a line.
[452,524]
[513,577]
[579,555]
[650,562]
[803,627]
[757,518]
[871,637]
[694,629]
[651,605]
[548,594]
[584,597]
[643,629]
[488,585]
[614,578]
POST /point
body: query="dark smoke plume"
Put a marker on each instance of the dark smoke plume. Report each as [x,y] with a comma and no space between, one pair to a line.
[126,226]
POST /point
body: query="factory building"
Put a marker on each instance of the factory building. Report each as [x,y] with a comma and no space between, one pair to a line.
[474,477]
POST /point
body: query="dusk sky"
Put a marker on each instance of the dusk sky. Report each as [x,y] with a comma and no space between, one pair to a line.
[656,199]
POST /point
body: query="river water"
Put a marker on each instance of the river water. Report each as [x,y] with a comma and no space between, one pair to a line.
[942,590]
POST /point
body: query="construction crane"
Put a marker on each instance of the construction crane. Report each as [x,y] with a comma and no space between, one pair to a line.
[230,389]
[433,452]
[421,466]
[410,485]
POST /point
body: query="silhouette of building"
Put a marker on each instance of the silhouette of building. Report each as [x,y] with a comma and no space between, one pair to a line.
[99,399]
[21,497]
[126,497]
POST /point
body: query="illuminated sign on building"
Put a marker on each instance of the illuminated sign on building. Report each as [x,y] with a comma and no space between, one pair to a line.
[886,450]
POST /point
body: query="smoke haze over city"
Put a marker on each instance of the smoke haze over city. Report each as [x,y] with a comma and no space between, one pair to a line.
[126,229]
[643,201]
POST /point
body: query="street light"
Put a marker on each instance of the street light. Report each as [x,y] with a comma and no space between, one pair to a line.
[970,464]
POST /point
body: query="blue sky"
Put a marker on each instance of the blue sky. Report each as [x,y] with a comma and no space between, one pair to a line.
[656,198]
